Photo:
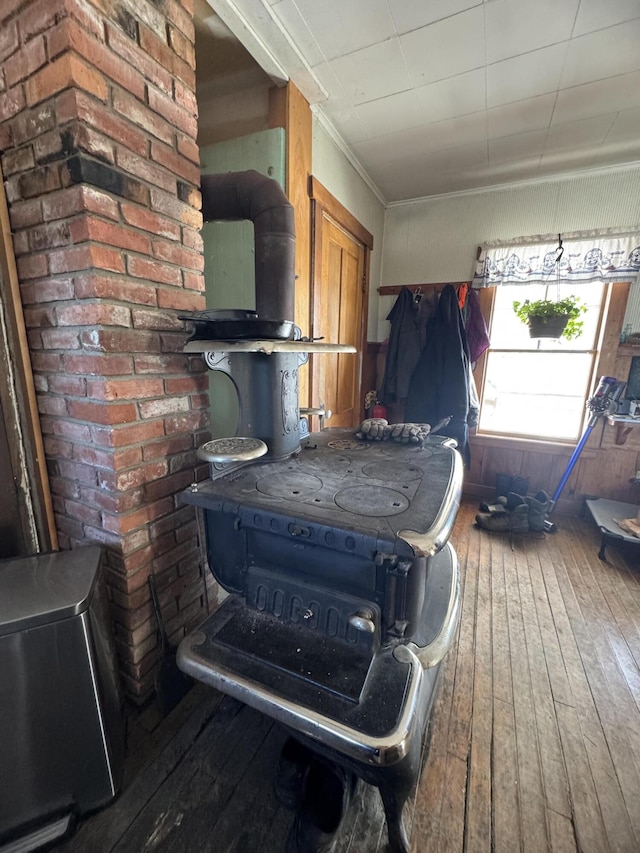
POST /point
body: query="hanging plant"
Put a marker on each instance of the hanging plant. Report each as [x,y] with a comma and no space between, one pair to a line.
[549,319]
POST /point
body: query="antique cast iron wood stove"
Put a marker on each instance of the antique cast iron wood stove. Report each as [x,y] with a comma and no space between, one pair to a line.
[344,587]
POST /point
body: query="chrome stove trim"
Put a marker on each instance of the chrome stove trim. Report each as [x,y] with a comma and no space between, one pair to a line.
[377,751]
[435,652]
[429,543]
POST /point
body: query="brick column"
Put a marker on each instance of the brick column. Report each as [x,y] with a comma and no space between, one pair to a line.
[98,123]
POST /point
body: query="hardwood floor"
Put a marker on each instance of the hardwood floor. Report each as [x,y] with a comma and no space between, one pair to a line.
[534,742]
[535,734]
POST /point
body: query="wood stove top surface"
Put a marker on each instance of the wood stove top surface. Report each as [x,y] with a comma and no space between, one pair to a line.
[374,488]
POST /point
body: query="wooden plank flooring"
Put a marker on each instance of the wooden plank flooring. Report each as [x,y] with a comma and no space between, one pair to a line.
[534,743]
[551,634]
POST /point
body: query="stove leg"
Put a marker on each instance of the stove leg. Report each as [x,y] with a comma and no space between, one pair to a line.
[394,799]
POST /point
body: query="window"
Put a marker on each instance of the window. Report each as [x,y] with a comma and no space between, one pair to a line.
[537,388]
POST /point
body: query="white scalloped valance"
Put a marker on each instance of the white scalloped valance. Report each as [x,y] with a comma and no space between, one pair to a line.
[585,257]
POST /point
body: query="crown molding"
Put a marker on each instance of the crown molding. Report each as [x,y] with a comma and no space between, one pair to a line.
[541,179]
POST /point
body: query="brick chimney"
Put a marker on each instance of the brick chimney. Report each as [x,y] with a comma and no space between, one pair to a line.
[98,123]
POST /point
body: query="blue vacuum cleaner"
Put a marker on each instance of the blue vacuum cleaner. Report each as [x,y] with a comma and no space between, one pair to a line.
[603,402]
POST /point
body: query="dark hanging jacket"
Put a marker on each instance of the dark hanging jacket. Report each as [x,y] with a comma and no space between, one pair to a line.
[403,350]
[440,382]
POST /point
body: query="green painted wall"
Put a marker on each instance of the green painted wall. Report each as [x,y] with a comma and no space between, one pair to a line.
[229,250]
[228,246]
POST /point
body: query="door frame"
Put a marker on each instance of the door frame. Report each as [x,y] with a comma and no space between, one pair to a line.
[19,403]
[325,204]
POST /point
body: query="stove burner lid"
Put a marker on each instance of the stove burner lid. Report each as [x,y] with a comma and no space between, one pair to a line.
[372,501]
[390,470]
[238,449]
[289,484]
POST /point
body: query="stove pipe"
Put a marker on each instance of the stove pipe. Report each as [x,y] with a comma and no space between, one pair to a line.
[250,195]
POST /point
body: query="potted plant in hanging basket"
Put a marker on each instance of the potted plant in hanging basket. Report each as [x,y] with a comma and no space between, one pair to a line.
[549,319]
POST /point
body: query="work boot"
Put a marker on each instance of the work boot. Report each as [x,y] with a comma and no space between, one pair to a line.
[515,520]
[514,500]
[538,509]
[499,505]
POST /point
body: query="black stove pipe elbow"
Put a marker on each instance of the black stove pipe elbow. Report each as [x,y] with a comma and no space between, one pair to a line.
[250,195]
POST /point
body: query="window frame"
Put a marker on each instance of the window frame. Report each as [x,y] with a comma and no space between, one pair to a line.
[610,322]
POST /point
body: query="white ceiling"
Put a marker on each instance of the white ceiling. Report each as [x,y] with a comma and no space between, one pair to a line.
[436,96]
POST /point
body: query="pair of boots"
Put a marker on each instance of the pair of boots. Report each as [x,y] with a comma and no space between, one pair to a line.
[514,486]
[516,514]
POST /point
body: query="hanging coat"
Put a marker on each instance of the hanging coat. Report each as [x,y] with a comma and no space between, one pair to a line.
[475,327]
[403,351]
[439,385]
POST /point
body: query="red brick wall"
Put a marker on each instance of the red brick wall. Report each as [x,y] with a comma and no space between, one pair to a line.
[98,124]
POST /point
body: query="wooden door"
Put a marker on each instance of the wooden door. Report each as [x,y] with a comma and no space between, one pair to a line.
[340,272]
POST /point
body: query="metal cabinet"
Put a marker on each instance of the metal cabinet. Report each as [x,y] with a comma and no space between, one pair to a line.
[61,720]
